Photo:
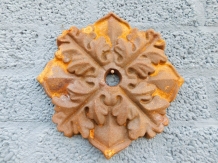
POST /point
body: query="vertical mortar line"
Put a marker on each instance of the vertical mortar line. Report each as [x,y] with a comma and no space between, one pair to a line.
[160,152]
[211,97]
[93,10]
[38,50]
[202,6]
[199,8]
[210,92]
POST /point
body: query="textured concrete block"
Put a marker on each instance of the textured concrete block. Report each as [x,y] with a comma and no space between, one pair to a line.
[46,12]
[213,96]
[19,45]
[175,12]
[23,100]
[191,102]
[211,12]
[51,146]
[12,143]
[40,142]
[191,48]
[50,42]
[190,144]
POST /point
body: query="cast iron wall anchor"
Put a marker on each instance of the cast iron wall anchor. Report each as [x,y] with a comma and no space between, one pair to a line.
[110,114]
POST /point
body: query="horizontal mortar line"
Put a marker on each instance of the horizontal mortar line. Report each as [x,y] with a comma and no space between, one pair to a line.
[167,26]
[27,73]
[41,26]
[175,27]
[209,28]
[206,73]
[9,123]
[30,73]
[200,123]
[6,25]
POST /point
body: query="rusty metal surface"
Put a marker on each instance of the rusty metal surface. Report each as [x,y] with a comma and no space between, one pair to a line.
[110,116]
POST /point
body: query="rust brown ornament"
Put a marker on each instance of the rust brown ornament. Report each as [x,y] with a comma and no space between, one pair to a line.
[110,116]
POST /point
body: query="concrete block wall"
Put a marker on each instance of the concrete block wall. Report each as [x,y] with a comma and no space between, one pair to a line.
[28,32]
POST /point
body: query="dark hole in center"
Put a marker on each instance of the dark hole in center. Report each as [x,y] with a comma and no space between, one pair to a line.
[113,77]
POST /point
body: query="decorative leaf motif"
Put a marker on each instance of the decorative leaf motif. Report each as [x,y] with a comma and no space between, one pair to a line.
[70,114]
[155,55]
[123,49]
[140,67]
[141,49]
[137,127]
[72,123]
[98,110]
[150,122]
[99,107]
[127,50]
[151,111]
[140,92]
[83,52]
[124,110]
[64,102]
[137,42]
[155,51]
[156,104]
[98,49]
[81,67]
[78,92]
[156,110]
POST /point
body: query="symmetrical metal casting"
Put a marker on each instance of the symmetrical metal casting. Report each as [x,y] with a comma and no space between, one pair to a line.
[110,116]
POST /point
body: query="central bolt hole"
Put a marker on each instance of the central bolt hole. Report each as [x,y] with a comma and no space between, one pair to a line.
[113,77]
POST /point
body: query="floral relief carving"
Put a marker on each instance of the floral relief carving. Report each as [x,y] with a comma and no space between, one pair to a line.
[110,117]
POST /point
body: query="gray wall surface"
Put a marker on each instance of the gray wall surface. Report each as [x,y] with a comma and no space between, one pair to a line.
[28,32]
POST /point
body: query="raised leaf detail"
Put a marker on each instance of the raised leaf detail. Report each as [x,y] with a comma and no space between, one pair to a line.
[141,67]
[78,92]
[140,92]
[88,45]
[135,44]
[151,110]
[71,123]
[137,127]
[81,66]
[84,53]
[127,51]
[150,121]
[139,52]
[101,51]
[155,51]
[70,113]
[98,110]
[124,110]
[155,55]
